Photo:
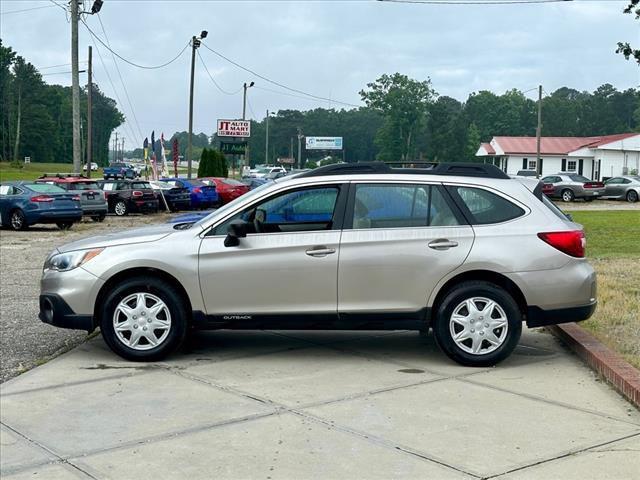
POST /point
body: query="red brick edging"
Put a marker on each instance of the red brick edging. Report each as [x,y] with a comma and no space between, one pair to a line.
[623,376]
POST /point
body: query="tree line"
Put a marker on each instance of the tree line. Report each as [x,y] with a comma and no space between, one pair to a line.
[35,117]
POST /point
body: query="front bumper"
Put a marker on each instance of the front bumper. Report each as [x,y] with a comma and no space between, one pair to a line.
[55,311]
[537,317]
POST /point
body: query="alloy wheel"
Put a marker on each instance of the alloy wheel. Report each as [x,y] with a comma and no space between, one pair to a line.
[632,196]
[478,325]
[120,209]
[17,220]
[567,196]
[142,321]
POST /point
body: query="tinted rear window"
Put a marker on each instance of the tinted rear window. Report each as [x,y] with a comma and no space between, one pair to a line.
[140,185]
[579,178]
[84,186]
[486,207]
[45,188]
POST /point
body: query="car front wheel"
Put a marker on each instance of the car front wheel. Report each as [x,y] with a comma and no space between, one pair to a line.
[143,319]
[478,324]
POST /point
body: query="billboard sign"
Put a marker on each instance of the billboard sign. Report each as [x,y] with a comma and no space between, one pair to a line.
[233,148]
[234,128]
[323,143]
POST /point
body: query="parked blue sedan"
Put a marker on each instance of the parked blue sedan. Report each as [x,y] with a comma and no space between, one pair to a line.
[26,203]
[202,195]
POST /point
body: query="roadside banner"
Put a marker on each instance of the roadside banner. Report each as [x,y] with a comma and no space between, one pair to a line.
[175,157]
[234,128]
[323,143]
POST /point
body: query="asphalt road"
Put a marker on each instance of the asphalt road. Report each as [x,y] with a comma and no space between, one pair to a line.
[24,340]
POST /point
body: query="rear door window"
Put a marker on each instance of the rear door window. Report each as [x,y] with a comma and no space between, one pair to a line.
[400,206]
[484,207]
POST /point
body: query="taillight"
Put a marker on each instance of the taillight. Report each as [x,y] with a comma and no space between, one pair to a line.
[572,242]
[137,193]
[105,195]
[594,185]
[197,190]
[42,198]
[76,198]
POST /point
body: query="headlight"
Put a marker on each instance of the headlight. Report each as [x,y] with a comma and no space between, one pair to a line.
[63,262]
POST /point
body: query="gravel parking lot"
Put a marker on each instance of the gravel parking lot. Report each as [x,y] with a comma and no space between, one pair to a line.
[24,340]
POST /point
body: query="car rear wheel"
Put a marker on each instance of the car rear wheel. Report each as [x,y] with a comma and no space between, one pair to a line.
[17,221]
[632,196]
[567,195]
[143,319]
[478,324]
[120,208]
[64,225]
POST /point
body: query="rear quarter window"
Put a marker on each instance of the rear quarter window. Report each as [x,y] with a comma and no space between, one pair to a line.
[485,207]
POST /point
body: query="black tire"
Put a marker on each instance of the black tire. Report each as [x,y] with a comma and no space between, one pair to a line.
[64,225]
[120,208]
[632,196]
[17,220]
[567,195]
[161,289]
[453,299]
[99,218]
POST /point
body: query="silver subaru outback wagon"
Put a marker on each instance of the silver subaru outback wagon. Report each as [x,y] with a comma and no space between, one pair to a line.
[459,248]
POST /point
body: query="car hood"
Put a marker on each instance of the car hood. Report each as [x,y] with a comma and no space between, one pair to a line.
[136,235]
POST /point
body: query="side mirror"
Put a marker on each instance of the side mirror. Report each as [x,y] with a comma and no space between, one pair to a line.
[237,230]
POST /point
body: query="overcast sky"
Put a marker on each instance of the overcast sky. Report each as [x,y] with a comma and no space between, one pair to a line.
[328,48]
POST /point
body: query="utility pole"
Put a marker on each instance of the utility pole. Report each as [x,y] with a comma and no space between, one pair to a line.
[115,150]
[539,133]
[300,148]
[189,140]
[291,154]
[122,157]
[89,119]
[195,43]
[75,88]
[245,86]
[266,141]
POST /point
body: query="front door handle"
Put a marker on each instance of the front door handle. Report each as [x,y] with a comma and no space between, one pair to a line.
[442,244]
[320,251]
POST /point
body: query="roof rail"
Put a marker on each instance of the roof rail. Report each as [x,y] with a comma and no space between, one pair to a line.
[432,168]
[62,175]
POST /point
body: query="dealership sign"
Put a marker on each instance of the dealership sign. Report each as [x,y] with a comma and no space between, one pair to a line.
[323,143]
[234,128]
[233,148]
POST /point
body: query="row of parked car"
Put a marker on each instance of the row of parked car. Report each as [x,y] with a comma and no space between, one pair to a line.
[570,186]
[64,199]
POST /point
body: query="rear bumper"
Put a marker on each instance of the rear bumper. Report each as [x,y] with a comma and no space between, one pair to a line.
[144,205]
[54,216]
[538,317]
[55,311]
[94,210]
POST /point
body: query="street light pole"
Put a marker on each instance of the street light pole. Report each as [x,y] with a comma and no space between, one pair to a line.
[266,141]
[300,148]
[195,43]
[245,160]
[89,118]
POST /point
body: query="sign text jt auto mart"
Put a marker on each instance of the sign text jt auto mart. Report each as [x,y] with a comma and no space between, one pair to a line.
[234,128]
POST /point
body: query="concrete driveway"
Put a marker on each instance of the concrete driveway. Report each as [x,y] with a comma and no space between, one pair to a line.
[294,405]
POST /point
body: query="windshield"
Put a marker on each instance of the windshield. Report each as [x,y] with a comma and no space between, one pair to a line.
[256,192]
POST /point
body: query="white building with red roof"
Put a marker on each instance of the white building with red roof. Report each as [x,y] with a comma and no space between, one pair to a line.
[596,158]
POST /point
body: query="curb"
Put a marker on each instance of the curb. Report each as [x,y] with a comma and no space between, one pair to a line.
[617,371]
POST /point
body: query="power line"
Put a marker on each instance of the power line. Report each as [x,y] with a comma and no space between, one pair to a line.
[60,65]
[115,91]
[246,69]
[27,9]
[214,80]
[287,94]
[474,2]
[124,87]
[146,67]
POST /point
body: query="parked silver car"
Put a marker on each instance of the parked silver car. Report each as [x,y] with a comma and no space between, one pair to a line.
[460,248]
[569,186]
[92,198]
[623,188]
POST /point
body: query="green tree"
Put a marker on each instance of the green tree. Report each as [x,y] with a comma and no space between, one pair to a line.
[472,143]
[625,48]
[203,166]
[404,104]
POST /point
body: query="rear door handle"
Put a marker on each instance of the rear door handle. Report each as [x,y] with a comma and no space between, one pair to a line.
[320,251]
[442,244]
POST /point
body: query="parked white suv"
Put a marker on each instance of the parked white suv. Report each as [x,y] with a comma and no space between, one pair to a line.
[460,248]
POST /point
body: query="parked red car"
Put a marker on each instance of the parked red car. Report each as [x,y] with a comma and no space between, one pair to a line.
[228,188]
